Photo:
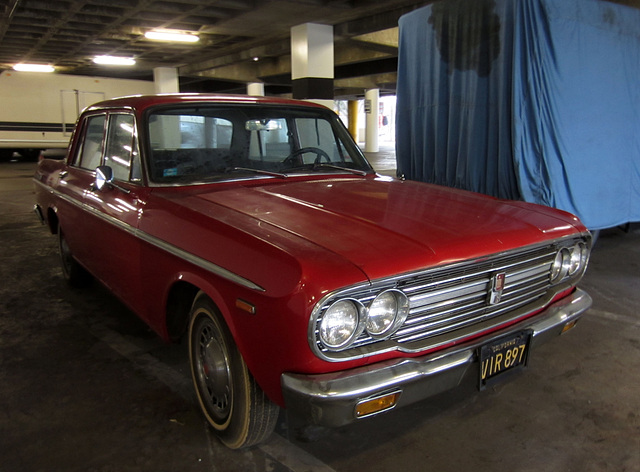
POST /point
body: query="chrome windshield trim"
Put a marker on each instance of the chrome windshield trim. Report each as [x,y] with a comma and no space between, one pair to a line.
[165,246]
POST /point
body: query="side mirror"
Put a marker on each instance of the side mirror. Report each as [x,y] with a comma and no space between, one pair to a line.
[104,177]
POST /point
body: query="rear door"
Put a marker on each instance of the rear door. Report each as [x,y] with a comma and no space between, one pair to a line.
[75,180]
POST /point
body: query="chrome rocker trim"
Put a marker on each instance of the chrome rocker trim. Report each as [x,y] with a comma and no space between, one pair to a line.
[331,399]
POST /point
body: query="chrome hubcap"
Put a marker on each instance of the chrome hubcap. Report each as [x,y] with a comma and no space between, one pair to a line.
[213,371]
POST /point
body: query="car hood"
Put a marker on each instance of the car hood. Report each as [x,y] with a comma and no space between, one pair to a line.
[386,226]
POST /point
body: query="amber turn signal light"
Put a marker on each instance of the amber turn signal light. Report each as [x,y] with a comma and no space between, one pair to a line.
[377,404]
[569,325]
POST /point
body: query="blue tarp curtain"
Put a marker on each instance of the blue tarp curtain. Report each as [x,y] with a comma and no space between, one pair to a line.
[525,99]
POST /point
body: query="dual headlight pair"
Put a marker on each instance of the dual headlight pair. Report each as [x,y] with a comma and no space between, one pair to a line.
[346,319]
[569,261]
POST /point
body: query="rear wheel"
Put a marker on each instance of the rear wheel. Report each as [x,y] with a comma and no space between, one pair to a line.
[229,397]
[72,271]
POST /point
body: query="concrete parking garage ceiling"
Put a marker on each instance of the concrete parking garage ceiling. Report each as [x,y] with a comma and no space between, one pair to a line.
[240,40]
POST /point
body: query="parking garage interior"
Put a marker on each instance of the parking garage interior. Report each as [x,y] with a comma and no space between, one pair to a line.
[86,386]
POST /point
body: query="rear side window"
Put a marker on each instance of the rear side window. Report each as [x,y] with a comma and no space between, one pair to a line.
[90,155]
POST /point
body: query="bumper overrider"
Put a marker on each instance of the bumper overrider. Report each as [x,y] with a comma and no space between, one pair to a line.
[339,398]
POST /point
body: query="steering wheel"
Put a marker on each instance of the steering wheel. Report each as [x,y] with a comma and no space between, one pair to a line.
[315,150]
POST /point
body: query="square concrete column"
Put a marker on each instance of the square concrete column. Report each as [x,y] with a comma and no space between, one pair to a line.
[372,110]
[166,80]
[255,89]
[312,63]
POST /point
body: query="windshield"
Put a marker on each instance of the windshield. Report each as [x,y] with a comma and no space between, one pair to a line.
[204,143]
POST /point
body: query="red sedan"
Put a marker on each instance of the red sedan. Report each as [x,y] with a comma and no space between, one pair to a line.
[302,279]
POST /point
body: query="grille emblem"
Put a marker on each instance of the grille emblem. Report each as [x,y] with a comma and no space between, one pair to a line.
[497,287]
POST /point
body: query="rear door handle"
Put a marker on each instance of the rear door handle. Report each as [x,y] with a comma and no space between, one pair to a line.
[63,174]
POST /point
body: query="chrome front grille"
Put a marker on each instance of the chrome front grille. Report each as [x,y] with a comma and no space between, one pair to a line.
[452,302]
[462,299]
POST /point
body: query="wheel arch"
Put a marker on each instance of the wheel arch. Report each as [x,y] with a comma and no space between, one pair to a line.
[180,299]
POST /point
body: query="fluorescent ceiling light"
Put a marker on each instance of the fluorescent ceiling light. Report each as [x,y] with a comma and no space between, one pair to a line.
[174,36]
[33,68]
[114,60]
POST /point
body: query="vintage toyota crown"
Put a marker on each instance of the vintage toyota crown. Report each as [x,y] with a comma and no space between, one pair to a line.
[256,229]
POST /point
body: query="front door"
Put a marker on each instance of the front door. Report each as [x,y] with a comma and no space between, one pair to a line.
[113,212]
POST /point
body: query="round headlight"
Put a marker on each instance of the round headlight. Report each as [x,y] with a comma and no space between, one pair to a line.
[560,265]
[339,325]
[386,313]
[578,258]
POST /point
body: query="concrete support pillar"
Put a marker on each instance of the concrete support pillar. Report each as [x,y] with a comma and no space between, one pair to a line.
[372,111]
[166,80]
[353,119]
[312,63]
[255,89]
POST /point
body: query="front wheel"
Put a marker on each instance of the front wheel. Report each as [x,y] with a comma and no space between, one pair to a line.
[229,397]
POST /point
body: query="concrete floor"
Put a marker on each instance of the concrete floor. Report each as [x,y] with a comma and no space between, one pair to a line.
[85,386]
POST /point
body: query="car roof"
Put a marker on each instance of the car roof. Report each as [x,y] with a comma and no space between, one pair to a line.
[141,102]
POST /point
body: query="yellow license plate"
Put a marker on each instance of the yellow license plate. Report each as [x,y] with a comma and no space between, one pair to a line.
[503,355]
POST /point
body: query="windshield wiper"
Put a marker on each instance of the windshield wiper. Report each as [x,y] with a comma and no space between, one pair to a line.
[320,165]
[257,171]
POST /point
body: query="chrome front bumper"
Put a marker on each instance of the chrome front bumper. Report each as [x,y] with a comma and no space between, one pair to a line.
[331,399]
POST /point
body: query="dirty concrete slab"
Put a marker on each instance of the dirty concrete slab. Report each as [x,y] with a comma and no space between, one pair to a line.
[85,386]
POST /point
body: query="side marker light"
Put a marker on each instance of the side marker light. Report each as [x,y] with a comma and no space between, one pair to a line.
[245,306]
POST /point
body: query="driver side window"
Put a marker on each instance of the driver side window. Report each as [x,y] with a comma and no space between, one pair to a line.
[121,150]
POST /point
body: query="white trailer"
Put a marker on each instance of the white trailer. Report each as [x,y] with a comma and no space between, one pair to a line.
[38,111]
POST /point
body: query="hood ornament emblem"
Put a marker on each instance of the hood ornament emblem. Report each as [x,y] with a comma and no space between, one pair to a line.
[497,287]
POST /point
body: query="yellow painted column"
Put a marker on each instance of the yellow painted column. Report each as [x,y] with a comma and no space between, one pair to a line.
[353,119]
